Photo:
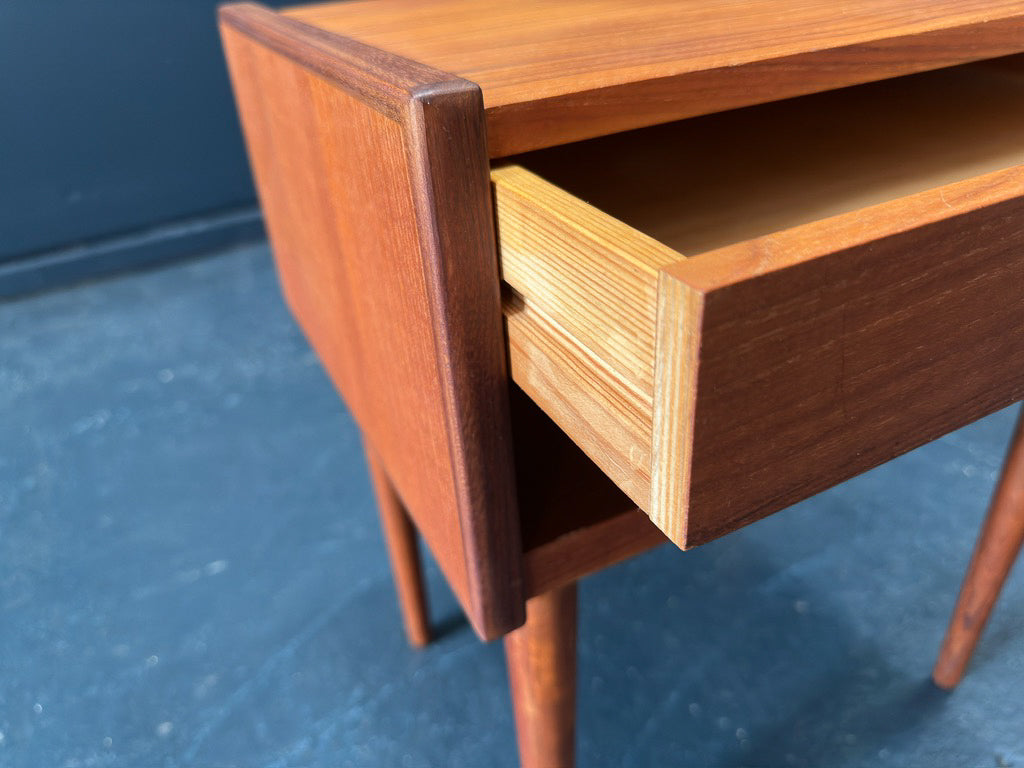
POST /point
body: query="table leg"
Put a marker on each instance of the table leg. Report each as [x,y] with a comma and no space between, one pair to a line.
[994,555]
[400,536]
[541,658]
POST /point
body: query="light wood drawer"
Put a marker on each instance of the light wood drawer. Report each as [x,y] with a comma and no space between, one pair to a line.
[754,306]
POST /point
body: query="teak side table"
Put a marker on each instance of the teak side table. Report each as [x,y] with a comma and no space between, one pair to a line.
[479,212]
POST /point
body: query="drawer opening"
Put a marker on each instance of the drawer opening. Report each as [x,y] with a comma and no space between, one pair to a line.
[731,313]
[704,183]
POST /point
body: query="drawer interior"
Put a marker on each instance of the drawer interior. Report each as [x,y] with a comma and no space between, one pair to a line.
[704,183]
[730,313]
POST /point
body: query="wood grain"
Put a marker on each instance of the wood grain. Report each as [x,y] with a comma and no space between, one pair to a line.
[555,72]
[830,348]
[677,367]
[541,657]
[894,198]
[576,391]
[998,547]
[372,175]
[589,318]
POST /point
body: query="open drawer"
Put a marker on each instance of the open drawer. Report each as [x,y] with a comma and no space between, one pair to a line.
[731,313]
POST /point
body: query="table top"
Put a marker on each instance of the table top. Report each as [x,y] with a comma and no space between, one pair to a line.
[553,72]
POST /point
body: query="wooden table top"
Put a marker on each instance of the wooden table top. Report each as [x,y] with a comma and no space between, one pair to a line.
[553,72]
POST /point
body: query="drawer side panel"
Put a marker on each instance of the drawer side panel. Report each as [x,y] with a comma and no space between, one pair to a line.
[580,315]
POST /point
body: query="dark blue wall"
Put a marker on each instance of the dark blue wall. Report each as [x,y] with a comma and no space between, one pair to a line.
[116,117]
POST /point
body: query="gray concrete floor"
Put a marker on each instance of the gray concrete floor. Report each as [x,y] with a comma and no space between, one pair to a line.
[191,574]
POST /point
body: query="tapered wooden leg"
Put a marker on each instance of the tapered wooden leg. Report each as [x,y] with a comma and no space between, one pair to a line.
[400,535]
[541,658]
[994,554]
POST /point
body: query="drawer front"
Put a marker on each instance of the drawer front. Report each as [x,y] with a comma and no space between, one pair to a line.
[717,389]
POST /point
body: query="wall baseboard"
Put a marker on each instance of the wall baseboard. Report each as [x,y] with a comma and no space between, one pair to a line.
[146,248]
